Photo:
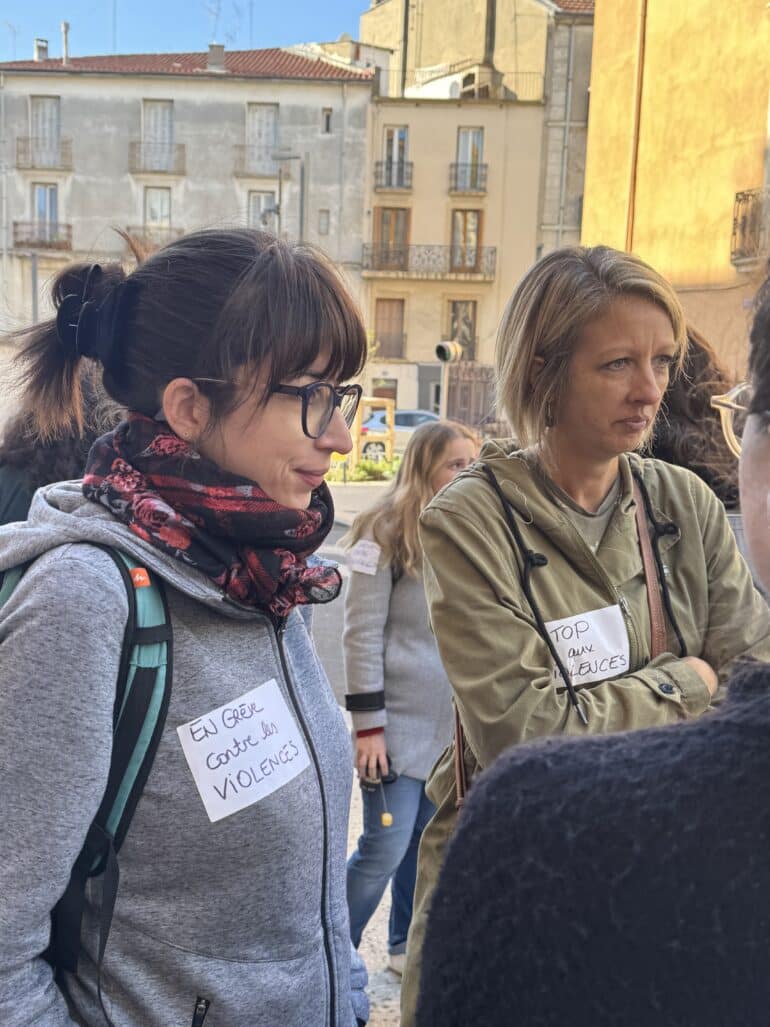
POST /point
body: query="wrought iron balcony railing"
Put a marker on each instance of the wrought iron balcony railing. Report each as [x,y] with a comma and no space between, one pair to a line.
[468,178]
[254,161]
[165,158]
[33,153]
[431,261]
[151,237]
[751,227]
[393,174]
[43,235]
[390,345]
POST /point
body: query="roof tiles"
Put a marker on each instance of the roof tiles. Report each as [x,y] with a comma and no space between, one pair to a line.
[576,6]
[272,63]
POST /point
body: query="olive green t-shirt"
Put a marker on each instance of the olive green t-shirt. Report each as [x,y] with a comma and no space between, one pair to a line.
[591,526]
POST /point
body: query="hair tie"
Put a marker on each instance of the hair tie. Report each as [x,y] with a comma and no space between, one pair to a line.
[87,327]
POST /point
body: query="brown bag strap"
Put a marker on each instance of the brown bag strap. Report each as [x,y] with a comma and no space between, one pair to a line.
[659,635]
[461,783]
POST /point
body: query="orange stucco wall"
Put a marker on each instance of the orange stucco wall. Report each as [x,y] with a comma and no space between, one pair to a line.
[703,137]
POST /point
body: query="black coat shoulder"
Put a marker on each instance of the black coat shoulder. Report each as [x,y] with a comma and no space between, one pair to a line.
[621,879]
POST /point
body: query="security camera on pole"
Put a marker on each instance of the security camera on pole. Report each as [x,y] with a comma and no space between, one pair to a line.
[450,352]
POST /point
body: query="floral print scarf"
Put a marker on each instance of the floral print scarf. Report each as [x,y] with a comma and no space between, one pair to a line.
[251,547]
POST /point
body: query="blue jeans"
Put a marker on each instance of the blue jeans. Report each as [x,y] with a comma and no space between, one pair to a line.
[388,854]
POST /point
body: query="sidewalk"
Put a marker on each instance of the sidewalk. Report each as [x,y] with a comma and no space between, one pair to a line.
[384,986]
[354,498]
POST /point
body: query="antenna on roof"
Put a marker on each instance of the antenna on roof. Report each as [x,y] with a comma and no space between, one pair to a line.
[13,31]
[214,9]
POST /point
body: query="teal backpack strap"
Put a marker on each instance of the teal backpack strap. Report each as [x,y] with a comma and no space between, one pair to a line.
[141,703]
[9,580]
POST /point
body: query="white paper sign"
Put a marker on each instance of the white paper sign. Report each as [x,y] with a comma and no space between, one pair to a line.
[364,557]
[593,646]
[244,750]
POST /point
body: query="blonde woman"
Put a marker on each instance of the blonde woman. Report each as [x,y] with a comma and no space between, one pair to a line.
[398,692]
[547,563]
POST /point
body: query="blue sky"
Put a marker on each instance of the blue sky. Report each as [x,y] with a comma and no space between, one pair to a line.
[155,26]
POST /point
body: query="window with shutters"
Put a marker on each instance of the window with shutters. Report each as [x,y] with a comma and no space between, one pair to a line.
[396,171]
[389,328]
[462,326]
[45,131]
[261,138]
[157,208]
[466,240]
[262,210]
[157,135]
[45,210]
[469,173]
[391,238]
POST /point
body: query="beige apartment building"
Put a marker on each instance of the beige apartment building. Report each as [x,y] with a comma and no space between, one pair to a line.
[477,161]
[163,144]
[450,226]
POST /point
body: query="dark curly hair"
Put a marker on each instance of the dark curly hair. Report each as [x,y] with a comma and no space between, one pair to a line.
[759,352]
[63,457]
[688,432]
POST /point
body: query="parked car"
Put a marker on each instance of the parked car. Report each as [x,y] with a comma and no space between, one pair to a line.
[405,423]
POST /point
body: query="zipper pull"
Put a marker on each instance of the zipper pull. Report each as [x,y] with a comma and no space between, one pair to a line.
[623,604]
[199,1013]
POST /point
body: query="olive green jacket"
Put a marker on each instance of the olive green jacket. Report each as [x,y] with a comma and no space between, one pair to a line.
[502,672]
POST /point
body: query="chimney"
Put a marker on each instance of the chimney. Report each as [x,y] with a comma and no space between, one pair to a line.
[216,61]
[65,50]
[41,50]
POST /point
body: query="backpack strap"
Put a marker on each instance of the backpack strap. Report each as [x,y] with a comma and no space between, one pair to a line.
[9,580]
[141,702]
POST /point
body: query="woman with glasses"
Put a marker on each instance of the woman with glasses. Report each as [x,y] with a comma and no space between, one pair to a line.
[230,350]
[398,691]
[576,587]
[624,879]
[691,433]
[688,432]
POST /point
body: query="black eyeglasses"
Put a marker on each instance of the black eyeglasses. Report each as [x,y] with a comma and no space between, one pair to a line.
[320,400]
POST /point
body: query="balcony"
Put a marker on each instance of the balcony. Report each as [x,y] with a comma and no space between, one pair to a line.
[393,175]
[390,345]
[156,158]
[468,178]
[751,217]
[254,162]
[43,154]
[457,263]
[149,238]
[42,235]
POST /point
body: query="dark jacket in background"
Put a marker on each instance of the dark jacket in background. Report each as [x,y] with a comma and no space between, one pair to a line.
[618,880]
[16,492]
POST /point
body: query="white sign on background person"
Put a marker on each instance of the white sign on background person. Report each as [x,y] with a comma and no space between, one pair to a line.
[244,750]
[593,646]
[364,557]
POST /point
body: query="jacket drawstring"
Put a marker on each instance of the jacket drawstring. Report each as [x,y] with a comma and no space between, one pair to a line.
[530,560]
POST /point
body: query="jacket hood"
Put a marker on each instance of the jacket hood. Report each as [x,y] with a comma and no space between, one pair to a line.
[60,514]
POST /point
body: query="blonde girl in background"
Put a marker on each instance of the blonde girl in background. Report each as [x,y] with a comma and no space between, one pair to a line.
[398,693]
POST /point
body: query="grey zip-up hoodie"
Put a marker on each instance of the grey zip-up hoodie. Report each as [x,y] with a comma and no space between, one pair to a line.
[248,911]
